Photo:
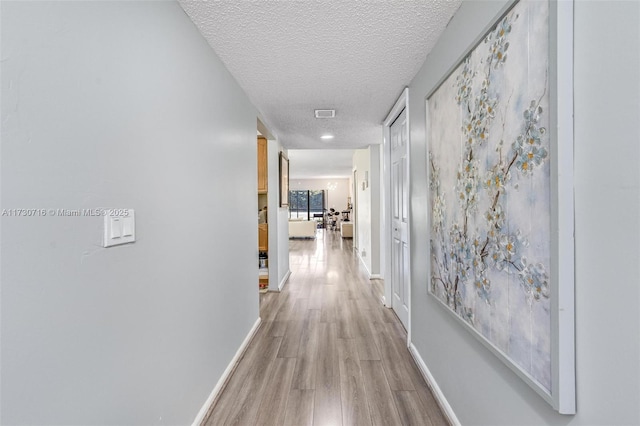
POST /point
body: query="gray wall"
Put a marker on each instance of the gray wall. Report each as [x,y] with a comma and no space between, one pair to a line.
[121,104]
[480,389]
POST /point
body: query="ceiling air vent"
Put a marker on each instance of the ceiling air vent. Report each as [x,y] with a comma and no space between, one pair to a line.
[325,113]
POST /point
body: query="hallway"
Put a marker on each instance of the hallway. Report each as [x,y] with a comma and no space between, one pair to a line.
[327,352]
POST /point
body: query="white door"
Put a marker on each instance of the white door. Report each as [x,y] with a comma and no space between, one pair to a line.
[399,138]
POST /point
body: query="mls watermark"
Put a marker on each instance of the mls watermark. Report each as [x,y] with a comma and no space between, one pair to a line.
[65,212]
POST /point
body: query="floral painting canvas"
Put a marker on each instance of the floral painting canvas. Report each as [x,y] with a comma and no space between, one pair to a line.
[489,178]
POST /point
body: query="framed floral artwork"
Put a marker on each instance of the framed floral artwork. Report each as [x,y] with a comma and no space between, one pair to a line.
[500,151]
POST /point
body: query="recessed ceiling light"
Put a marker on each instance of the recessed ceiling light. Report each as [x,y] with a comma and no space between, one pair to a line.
[326,137]
[325,113]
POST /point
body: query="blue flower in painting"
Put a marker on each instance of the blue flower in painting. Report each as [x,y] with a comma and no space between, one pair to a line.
[495,220]
[495,256]
[511,245]
[434,182]
[483,285]
[467,314]
[495,180]
[531,158]
[508,245]
[534,280]
[438,212]
[464,81]
[498,53]
[499,43]
[529,152]
[467,186]
[476,126]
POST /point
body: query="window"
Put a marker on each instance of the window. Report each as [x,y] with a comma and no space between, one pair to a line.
[305,204]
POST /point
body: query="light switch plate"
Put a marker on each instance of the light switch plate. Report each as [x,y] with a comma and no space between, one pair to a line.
[119,227]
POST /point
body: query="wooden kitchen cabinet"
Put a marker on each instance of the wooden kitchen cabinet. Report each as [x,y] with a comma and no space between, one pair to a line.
[262,165]
[263,237]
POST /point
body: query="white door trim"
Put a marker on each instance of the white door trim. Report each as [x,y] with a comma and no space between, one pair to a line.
[385,223]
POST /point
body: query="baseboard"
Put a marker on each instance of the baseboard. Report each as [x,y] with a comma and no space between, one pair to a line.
[383,300]
[284,280]
[375,277]
[437,393]
[202,414]
[364,264]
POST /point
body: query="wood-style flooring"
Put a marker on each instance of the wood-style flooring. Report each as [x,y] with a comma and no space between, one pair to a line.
[327,352]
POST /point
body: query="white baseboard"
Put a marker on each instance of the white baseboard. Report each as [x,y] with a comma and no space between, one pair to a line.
[437,393]
[375,277]
[384,301]
[364,264]
[225,376]
[284,280]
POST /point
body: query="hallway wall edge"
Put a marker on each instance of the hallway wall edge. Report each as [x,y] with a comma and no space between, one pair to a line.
[433,385]
[217,390]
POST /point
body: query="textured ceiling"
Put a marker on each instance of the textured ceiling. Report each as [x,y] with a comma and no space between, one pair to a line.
[320,163]
[292,57]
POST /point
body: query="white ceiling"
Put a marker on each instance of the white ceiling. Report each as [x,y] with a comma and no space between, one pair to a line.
[292,57]
[320,163]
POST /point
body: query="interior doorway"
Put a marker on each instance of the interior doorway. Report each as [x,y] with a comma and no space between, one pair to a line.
[397,211]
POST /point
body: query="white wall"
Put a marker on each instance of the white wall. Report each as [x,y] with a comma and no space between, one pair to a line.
[362,164]
[375,208]
[121,104]
[480,389]
[336,198]
[278,220]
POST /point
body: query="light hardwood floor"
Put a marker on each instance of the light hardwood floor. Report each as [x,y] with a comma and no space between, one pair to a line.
[327,352]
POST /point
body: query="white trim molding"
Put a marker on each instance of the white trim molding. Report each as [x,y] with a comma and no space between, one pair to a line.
[202,414]
[284,280]
[435,389]
[364,264]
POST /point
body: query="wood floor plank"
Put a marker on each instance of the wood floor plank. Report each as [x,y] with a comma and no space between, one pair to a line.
[367,348]
[244,405]
[243,369]
[304,376]
[291,339]
[328,374]
[429,403]
[299,410]
[395,365]
[355,410]
[410,409]
[276,392]
[329,302]
[327,403]
[344,324]
[381,402]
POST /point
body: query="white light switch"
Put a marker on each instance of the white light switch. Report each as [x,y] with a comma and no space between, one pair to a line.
[127,227]
[116,227]
[119,227]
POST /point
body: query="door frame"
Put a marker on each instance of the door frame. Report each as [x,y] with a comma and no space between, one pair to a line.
[385,224]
